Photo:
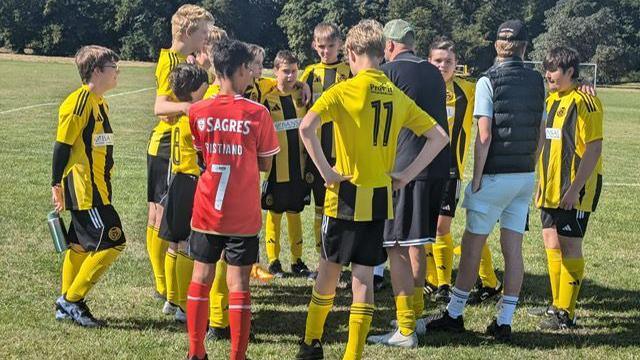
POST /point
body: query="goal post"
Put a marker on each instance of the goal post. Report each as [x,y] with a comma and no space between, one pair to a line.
[588,71]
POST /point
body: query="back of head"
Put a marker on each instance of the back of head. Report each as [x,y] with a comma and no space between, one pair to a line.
[215,35]
[229,55]
[366,38]
[185,79]
[91,57]
[511,39]
[187,19]
[284,57]
[256,51]
[562,57]
[327,31]
[400,32]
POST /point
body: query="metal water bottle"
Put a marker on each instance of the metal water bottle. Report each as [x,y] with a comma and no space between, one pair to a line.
[58,231]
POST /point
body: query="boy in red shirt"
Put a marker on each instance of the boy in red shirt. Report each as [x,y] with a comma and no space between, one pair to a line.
[237,139]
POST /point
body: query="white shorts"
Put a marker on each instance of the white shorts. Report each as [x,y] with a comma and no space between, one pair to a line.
[503,197]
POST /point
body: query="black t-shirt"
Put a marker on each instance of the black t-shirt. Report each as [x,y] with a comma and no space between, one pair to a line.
[423,83]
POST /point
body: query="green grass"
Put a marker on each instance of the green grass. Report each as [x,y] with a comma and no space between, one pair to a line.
[609,305]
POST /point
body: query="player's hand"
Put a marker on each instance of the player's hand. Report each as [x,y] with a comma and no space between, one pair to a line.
[333,178]
[398,181]
[569,200]
[306,94]
[185,108]
[476,184]
[587,89]
[191,59]
[57,198]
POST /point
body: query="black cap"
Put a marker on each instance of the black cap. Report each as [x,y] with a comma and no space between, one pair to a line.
[513,30]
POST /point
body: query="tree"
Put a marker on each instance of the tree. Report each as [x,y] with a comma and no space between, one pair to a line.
[20,23]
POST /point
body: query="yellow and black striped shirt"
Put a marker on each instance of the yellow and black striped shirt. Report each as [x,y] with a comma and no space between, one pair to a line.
[320,77]
[160,141]
[460,99]
[83,123]
[260,88]
[184,157]
[287,110]
[574,119]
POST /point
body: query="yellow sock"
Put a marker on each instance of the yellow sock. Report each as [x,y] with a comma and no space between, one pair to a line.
[184,269]
[272,235]
[443,258]
[95,264]
[70,266]
[432,274]
[219,298]
[317,225]
[359,323]
[554,265]
[405,315]
[170,277]
[319,308]
[571,276]
[294,229]
[487,272]
[156,256]
[418,302]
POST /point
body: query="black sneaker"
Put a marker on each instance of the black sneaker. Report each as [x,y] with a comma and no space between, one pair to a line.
[429,289]
[442,294]
[378,283]
[559,321]
[206,357]
[499,332]
[78,311]
[275,269]
[483,294]
[313,276]
[538,311]
[216,333]
[441,321]
[310,352]
[299,269]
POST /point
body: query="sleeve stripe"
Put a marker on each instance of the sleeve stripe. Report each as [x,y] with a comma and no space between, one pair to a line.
[587,101]
[269,153]
[81,103]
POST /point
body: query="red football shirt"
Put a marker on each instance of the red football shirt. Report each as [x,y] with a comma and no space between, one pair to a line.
[232,132]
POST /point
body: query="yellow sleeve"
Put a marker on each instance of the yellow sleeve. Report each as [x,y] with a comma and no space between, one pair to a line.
[163,70]
[590,119]
[305,74]
[416,119]
[72,118]
[328,104]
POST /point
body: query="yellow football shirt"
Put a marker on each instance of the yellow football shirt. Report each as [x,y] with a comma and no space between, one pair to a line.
[368,112]
[260,88]
[184,157]
[460,99]
[574,119]
[83,123]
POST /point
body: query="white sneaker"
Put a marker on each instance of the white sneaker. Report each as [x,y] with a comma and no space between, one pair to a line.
[169,308]
[180,316]
[395,338]
[421,325]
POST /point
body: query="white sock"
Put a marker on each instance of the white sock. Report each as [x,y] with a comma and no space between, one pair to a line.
[457,302]
[506,307]
[378,270]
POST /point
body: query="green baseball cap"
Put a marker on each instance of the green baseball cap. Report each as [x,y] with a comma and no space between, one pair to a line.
[397,30]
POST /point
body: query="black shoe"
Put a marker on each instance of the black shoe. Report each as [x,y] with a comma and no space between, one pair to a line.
[310,352]
[442,294]
[300,269]
[441,321]
[216,333]
[378,283]
[78,311]
[429,289]
[312,276]
[206,357]
[559,321]
[483,294]
[542,311]
[275,269]
[499,332]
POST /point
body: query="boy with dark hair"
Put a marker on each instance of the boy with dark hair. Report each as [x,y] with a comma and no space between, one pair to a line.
[81,182]
[188,83]
[237,140]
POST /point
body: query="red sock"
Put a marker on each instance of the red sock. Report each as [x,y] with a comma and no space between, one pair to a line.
[239,323]
[197,318]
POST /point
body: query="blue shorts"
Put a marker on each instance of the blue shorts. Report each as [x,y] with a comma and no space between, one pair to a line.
[503,197]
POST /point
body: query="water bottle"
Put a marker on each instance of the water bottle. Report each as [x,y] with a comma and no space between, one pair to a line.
[58,231]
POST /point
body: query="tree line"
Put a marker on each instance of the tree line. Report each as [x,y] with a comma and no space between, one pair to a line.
[606,32]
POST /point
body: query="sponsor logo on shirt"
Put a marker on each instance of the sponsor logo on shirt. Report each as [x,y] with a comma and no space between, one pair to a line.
[105,139]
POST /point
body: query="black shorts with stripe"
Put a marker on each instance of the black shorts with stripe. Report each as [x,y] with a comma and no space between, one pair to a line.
[569,223]
[291,196]
[358,242]
[416,210]
[157,178]
[175,225]
[238,250]
[96,229]
[450,197]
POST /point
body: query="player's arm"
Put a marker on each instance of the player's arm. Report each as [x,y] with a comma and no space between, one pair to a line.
[437,139]
[61,154]
[268,144]
[308,128]
[483,111]
[264,163]
[168,110]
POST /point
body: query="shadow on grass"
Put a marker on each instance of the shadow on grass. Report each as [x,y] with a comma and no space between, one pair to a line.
[142,323]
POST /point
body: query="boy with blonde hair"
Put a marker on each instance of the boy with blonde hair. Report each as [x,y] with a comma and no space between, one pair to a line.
[367,107]
[189,30]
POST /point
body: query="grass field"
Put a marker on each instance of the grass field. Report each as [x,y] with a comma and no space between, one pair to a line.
[609,307]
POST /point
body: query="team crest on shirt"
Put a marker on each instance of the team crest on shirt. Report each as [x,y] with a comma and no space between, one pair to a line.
[450,95]
[269,200]
[562,111]
[202,124]
[341,77]
[309,178]
[115,233]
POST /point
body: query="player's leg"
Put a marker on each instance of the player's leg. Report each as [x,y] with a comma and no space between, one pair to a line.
[219,304]
[443,246]
[361,312]
[184,270]
[431,276]
[419,270]
[272,238]
[294,229]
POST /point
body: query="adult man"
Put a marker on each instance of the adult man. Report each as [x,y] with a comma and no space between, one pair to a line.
[509,107]
[417,205]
